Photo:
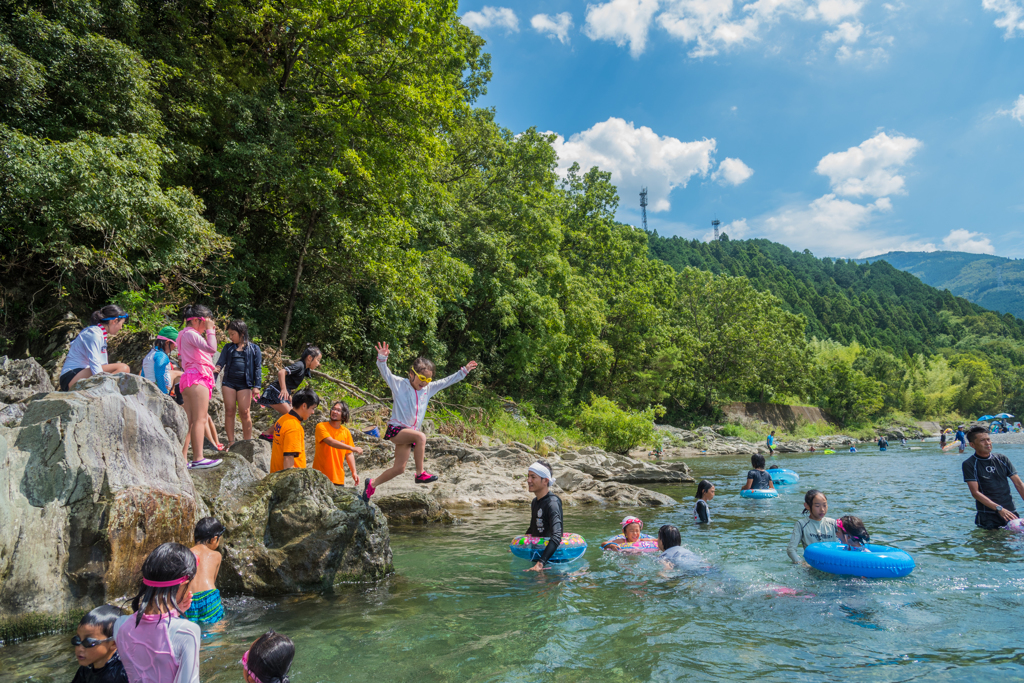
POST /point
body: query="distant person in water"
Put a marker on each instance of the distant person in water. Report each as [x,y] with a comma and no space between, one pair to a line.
[701,509]
[545,511]
[883,443]
[87,355]
[988,475]
[410,396]
[771,443]
[757,478]
[942,440]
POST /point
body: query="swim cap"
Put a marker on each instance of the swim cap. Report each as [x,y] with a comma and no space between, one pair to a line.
[168,333]
[626,521]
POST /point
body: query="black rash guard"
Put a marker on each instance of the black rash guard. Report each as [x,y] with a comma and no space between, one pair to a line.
[546,522]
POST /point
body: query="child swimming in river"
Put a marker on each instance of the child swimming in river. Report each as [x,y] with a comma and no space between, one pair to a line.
[757,478]
[268,659]
[206,605]
[850,530]
[701,509]
[95,648]
[816,529]
[410,396]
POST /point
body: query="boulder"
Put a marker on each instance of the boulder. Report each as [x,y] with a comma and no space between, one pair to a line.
[291,531]
[22,379]
[92,481]
[256,451]
[10,416]
[415,507]
[130,348]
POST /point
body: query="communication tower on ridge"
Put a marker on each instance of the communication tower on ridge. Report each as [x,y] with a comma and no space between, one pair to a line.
[643,205]
[715,223]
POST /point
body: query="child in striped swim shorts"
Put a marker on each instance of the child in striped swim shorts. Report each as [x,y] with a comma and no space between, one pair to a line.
[206,607]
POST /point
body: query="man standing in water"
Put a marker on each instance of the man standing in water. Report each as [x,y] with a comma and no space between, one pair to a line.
[986,474]
[545,511]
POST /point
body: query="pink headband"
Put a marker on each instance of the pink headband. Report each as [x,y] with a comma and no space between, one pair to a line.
[245,665]
[166,339]
[632,520]
[165,584]
[839,523]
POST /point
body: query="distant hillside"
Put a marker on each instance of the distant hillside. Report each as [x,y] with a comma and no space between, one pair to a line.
[993,282]
[875,304]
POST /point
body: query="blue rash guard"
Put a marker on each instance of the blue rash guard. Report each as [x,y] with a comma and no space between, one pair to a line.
[156,367]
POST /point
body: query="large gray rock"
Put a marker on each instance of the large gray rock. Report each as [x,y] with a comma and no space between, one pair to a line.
[22,379]
[91,482]
[415,507]
[53,347]
[256,451]
[291,531]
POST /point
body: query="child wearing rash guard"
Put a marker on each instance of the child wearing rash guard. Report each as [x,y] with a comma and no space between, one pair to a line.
[410,397]
[545,512]
[817,529]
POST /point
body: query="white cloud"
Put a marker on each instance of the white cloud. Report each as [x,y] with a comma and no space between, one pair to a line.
[708,23]
[870,168]
[834,11]
[1013,15]
[621,21]
[637,157]
[732,172]
[835,224]
[965,240]
[847,32]
[501,17]
[1016,111]
[556,27]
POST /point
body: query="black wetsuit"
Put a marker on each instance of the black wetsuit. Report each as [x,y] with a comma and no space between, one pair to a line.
[546,522]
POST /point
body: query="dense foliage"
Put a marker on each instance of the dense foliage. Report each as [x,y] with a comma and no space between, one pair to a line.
[321,170]
[991,281]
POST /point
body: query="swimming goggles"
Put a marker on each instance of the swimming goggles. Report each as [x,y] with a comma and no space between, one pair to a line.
[425,380]
[116,317]
[88,643]
[245,665]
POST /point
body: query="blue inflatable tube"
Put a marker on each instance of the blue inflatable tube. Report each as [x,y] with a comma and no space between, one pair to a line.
[882,562]
[781,476]
[760,493]
[531,547]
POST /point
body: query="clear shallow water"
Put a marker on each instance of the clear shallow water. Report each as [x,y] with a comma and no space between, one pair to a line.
[460,607]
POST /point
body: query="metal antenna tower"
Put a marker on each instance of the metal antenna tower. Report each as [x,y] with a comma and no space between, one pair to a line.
[643,205]
[715,223]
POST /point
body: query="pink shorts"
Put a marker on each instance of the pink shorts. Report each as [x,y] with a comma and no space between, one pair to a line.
[193,376]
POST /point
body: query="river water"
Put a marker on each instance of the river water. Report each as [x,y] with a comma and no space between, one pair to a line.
[460,608]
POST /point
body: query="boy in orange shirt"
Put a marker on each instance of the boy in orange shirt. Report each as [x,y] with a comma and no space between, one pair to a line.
[334,445]
[289,448]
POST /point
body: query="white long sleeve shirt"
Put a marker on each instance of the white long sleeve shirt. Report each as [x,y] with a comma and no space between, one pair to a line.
[88,350]
[410,406]
[809,531]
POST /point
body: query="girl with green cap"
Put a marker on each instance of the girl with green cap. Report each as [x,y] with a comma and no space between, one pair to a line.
[156,366]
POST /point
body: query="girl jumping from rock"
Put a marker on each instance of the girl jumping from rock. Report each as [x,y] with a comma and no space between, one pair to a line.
[410,397]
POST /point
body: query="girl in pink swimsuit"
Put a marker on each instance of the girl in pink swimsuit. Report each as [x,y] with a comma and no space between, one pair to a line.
[196,345]
[155,645]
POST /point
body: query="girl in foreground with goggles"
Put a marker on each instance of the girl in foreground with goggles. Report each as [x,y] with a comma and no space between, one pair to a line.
[410,397]
[87,355]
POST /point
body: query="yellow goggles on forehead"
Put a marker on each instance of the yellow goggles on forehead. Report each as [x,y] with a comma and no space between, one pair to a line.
[425,380]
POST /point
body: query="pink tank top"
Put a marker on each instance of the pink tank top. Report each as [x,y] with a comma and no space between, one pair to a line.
[146,650]
[196,352]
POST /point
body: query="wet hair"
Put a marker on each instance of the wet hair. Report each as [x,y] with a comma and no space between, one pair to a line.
[550,469]
[974,431]
[196,311]
[853,526]
[167,562]
[103,616]
[669,536]
[757,460]
[309,352]
[703,487]
[809,499]
[345,414]
[422,365]
[270,657]
[306,397]
[108,311]
[207,529]
[241,328]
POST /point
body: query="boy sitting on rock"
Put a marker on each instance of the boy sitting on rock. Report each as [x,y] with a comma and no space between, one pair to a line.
[206,606]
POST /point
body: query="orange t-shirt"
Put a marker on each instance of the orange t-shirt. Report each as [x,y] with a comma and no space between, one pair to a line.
[330,460]
[289,437]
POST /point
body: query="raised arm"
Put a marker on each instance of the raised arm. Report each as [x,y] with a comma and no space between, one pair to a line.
[451,379]
[382,366]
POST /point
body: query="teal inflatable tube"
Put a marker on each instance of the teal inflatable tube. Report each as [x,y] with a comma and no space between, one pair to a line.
[880,562]
[759,493]
[781,476]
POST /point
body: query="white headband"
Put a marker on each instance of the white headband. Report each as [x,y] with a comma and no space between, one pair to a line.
[540,471]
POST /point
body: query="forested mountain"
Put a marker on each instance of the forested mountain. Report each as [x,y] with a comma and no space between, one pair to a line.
[321,170]
[995,282]
[873,304]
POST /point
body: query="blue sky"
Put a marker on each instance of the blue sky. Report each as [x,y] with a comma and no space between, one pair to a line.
[847,127]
